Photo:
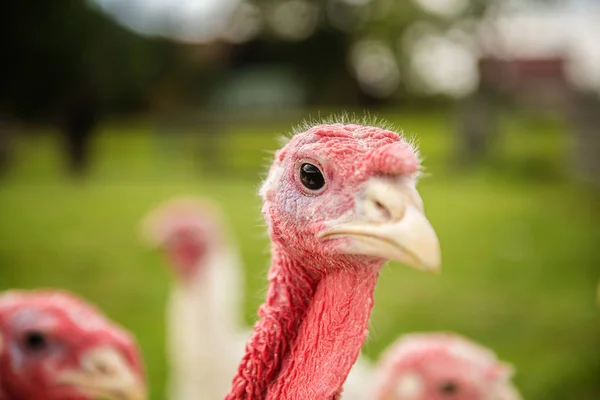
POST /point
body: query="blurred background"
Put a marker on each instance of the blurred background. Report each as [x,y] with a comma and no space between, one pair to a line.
[108,107]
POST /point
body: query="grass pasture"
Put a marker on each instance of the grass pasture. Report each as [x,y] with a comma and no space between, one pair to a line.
[519,241]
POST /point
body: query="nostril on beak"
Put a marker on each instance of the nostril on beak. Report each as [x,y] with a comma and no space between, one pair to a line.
[102,363]
[384,201]
[385,213]
[98,366]
[103,369]
[379,212]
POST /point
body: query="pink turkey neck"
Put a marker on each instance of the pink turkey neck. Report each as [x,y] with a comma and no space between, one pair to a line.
[311,328]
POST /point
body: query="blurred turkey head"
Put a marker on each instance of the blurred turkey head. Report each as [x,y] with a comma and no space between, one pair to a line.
[54,346]
[441,366]
[188,230]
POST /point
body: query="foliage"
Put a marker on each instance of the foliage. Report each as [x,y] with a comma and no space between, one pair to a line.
[51,47]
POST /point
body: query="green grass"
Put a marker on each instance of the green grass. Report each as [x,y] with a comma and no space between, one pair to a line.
[519,240]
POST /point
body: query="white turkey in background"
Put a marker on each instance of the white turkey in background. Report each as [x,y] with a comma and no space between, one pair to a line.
[206,335]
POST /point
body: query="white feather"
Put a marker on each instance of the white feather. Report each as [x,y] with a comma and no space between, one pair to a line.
[205,337]
[359,384]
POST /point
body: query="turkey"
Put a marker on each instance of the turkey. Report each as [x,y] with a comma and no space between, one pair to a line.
[440,366]
[206,334]
[339,201]
[54,346]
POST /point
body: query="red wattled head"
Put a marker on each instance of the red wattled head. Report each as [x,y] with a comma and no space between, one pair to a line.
[53,346]
[188,230]
[348,189]
[441,367]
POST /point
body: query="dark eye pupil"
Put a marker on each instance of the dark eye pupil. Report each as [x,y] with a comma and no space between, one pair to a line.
[449,387]
[311,177]
[35,340]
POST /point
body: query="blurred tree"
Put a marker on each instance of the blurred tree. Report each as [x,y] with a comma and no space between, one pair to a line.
[80,118]
[6,133]
[585,120]
[49,47]
[320,61]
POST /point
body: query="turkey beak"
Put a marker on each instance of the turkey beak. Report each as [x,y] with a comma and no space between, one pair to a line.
[388,222]
[105,374]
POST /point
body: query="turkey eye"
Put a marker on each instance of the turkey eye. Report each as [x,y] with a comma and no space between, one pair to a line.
[311,177]
[449,388]
[35,340]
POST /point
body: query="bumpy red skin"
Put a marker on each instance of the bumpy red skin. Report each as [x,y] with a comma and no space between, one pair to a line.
[315,317]
[72,328]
